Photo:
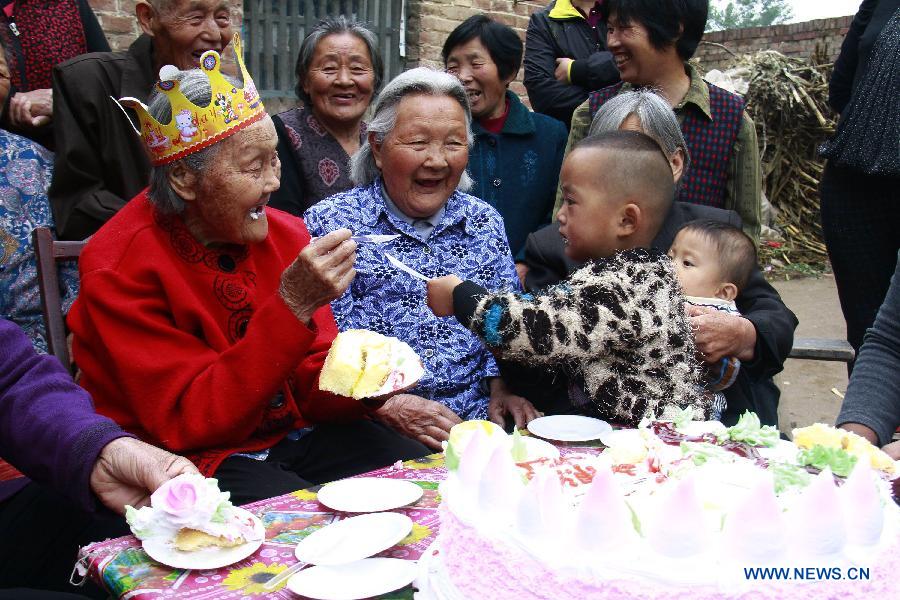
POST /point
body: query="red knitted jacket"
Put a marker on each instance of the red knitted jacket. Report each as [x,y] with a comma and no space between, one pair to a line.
[187,346]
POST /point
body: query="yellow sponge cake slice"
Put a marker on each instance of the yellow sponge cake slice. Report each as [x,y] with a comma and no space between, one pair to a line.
[376,367]
[365,364]
[344,363]
[189,540]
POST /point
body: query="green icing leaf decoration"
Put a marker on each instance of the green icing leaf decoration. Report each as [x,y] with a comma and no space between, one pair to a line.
[221,512]
[700,452]
[635,522]
[132,518]
[839,460]
[451,457]
[787,475]
[683,418]
[519,450]
[748,429]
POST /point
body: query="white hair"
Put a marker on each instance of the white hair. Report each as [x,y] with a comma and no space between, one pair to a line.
[655,117]
[422,80]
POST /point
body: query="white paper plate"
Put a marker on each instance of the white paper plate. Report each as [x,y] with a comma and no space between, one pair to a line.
[568,428]
[162,551]
[368,494]
[361,579]
[353,539]
[615,437]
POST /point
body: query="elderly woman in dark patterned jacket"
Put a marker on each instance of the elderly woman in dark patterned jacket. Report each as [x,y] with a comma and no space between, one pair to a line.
[37,36]
[616,327]
[339,70]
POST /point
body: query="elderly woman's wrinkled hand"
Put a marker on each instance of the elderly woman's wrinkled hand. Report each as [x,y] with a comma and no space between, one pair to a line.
[440,294]
[718,334]
[321,272]
[129,470]
[424,420]
[31,109]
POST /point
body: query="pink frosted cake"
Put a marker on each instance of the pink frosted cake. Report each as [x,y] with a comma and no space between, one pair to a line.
[692,510]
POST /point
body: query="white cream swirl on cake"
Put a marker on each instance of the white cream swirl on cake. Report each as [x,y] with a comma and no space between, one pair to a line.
[664,515]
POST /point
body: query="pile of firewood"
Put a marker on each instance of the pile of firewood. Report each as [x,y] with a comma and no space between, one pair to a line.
[788,100]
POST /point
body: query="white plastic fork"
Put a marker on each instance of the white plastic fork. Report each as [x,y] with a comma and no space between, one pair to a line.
[374,238]
[369,238]
[284,575]
[409,270]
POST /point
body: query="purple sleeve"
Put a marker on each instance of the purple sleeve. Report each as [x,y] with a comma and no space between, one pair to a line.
[48,427]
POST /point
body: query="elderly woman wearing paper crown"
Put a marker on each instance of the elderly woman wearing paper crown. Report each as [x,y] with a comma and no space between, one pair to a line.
[203,320]
[411,181]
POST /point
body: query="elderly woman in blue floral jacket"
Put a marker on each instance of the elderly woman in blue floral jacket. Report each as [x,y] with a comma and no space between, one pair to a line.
[517,154]
[410,177]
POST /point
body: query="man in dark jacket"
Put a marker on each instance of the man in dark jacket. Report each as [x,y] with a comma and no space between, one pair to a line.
[100,162]
[566,57]
[758,303]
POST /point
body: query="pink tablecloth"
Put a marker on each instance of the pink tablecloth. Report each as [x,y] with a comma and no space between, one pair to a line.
[125,570]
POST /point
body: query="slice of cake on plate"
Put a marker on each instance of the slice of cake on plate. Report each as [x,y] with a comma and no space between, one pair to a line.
[193,513]
[366,364]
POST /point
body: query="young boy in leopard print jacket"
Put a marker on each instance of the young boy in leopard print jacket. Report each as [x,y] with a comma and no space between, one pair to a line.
[616,326]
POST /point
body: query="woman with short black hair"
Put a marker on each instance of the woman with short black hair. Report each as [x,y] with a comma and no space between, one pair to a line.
[651,43]
[517,154]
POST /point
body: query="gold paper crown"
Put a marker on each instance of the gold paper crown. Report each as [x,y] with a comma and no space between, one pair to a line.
[192,127]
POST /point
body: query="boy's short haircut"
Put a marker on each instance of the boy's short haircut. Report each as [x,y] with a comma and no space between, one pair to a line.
[501,41]
[736,251]
[678,22]
[637,167]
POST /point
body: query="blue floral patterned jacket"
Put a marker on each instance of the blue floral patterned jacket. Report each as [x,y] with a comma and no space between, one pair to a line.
[469,241]
[25,171]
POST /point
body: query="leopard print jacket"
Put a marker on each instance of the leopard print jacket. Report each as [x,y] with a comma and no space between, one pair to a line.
[617,324]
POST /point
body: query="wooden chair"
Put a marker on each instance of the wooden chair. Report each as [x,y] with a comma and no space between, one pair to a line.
[48,252]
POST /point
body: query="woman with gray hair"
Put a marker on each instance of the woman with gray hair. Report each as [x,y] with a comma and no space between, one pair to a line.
[410,177]
[203,322]
[339,69]
[646,111]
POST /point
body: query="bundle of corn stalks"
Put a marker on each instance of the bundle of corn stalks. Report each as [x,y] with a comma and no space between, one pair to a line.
[787,98]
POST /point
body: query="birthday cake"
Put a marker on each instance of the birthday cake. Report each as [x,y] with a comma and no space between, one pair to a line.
[365,364]
[669,510]
[191,512]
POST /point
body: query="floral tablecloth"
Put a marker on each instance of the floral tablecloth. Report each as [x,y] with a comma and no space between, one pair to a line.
[125,570]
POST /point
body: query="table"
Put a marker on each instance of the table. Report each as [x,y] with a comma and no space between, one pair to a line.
[125,570]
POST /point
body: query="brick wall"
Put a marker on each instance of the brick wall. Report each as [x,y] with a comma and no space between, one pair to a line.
[117,20]
[120,25]
[796,39]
